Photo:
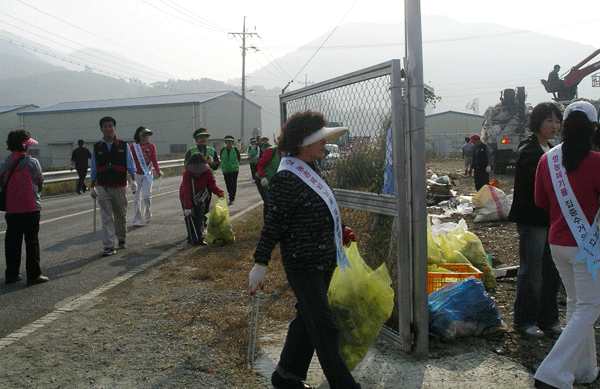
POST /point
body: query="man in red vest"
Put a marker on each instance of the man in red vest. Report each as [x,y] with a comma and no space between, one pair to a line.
[111,161]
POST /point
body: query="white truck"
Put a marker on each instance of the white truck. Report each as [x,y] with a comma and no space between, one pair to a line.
[504,126]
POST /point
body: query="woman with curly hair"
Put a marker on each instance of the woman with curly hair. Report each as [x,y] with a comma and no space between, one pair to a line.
[303,218]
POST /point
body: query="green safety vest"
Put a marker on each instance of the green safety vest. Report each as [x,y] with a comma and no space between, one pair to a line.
[229,163]
[273,165]
[210,152]
[253,153]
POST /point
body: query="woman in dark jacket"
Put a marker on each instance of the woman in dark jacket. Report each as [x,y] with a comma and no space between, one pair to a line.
[310,238]
[536,308]
[22,208]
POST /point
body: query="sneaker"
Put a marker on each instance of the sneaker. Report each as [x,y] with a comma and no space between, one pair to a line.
[38,280]
[281,383]
[108,251]
[121,245]
[531,331]
[556,329]
[13,279]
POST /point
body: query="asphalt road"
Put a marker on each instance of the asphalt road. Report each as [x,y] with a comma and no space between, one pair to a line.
[71,251]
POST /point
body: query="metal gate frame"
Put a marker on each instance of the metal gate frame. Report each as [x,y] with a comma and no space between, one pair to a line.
[409,218]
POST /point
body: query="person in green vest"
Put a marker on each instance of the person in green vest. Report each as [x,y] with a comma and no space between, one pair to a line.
[266,168]
[253,156]
[201,136]
[230,165]
[263,143]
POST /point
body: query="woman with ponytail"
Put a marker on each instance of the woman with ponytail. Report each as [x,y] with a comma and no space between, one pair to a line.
[568,184]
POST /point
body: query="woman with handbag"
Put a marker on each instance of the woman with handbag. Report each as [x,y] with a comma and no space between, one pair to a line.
[22,180]
[197,181]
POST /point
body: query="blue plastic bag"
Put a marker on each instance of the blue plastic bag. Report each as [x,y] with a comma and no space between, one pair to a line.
[462,309]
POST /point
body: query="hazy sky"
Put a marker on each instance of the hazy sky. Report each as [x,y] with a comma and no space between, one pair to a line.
[191,39]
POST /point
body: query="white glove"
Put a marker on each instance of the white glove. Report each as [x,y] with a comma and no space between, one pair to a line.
[93,192]
[160,174]
[264,182]
[134,187]
[488,169]
[187,212]
[257,277]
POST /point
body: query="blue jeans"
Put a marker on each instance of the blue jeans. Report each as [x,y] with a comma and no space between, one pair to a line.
[313,329]
[538,280]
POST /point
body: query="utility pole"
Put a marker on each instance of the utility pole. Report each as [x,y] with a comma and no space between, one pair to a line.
[243,34]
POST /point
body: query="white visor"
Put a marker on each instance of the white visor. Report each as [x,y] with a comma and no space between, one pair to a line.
[327,133]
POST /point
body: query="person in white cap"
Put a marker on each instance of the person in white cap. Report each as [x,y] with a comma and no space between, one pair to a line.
[144,157]
[303,218]
[21,175]
[567,182]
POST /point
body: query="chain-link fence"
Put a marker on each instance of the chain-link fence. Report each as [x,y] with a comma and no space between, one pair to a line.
[359,168]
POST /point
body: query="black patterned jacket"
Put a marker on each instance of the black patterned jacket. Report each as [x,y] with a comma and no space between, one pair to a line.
[300,221]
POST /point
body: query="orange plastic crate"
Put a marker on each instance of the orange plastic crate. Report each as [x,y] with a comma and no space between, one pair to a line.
[461,271]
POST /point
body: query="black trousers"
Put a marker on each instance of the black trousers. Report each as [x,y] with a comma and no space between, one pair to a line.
[19,225]
[313,329]
[194,224]
[231,184]
[481,178]
[81,182]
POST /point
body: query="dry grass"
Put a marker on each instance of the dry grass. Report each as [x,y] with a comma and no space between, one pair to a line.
[219,312]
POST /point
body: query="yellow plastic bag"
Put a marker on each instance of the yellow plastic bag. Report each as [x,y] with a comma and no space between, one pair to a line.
[434,255]
[472,248]
[361,301]
[219,231]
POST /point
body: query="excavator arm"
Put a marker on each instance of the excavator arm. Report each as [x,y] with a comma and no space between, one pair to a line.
[576,74]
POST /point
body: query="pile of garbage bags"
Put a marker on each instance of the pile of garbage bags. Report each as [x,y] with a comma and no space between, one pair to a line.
[453,243]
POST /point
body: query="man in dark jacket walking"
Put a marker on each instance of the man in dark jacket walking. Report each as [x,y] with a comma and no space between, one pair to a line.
[482,158]
[536,308]
[80,157]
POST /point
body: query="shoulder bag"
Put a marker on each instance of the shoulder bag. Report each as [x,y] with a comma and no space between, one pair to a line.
[4,185]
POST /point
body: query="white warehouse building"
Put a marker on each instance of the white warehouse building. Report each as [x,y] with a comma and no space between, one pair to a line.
[172,118]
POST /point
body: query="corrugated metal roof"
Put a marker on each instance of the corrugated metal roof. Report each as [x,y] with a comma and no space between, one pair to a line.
[9,108]
[163,100]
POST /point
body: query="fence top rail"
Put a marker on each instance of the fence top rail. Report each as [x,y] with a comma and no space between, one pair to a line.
[375,71]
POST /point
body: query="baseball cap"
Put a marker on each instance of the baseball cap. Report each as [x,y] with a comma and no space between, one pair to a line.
[582,106]
[327,133]
[474,137]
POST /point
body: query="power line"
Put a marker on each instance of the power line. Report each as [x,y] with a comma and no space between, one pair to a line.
[105,39]
[199,18]
[205,25]
[325,41]
[129,63]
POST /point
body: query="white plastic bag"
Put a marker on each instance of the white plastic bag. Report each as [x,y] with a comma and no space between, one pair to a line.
[491,204]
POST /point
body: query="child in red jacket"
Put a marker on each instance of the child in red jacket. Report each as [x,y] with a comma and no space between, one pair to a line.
[197,181]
